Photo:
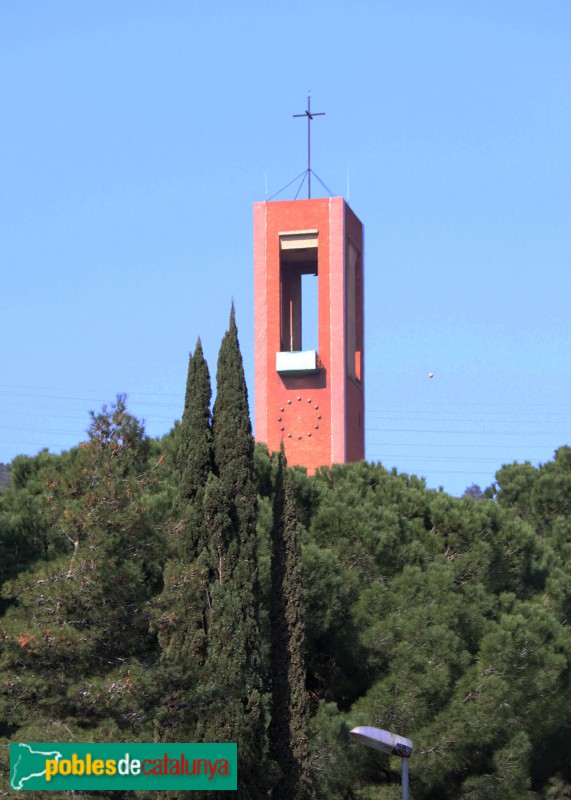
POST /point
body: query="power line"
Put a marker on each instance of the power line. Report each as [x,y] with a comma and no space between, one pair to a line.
[463,446]
[462,433]
[95,391]
[514,417]
[97,401]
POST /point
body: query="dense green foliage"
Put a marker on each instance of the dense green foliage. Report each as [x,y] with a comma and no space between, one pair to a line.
[4,477]
[154,591]
[77,654]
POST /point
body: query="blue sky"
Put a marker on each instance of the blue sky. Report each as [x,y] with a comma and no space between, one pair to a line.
[137,135]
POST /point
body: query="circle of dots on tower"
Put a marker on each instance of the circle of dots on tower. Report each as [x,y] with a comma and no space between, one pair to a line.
[295,434]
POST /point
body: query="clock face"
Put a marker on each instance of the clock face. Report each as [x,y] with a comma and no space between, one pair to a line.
[299,418]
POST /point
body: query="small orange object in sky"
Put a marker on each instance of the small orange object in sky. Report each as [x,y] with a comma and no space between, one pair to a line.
[431,374]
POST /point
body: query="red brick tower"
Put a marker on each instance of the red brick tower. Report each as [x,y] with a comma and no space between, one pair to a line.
[310,394]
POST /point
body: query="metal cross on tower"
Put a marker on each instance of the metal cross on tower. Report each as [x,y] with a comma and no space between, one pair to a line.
[310,115]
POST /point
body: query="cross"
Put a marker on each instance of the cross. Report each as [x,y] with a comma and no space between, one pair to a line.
[308,113]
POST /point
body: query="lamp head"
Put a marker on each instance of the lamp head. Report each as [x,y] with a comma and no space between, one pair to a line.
[386,742]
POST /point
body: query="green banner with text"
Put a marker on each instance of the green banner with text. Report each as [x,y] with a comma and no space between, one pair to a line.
[76,766]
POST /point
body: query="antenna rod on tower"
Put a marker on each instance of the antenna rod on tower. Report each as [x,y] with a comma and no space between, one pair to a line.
[309,116]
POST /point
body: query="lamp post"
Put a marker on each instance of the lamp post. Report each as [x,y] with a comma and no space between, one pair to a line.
[389,743]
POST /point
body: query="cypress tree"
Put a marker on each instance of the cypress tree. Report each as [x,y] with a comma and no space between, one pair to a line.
[232,678]
[180,615]
[234,463]
[290,707]
[194,459]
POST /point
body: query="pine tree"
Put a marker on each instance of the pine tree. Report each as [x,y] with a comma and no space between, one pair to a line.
[232,682]
[77,657]
[23,523]
[288,730]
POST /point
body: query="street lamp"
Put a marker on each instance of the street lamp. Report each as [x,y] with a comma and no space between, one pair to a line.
[389,743]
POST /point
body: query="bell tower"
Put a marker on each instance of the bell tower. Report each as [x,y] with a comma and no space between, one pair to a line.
[308,323]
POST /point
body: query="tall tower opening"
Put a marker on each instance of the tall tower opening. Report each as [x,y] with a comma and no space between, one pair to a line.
[298,269]
[309,349]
